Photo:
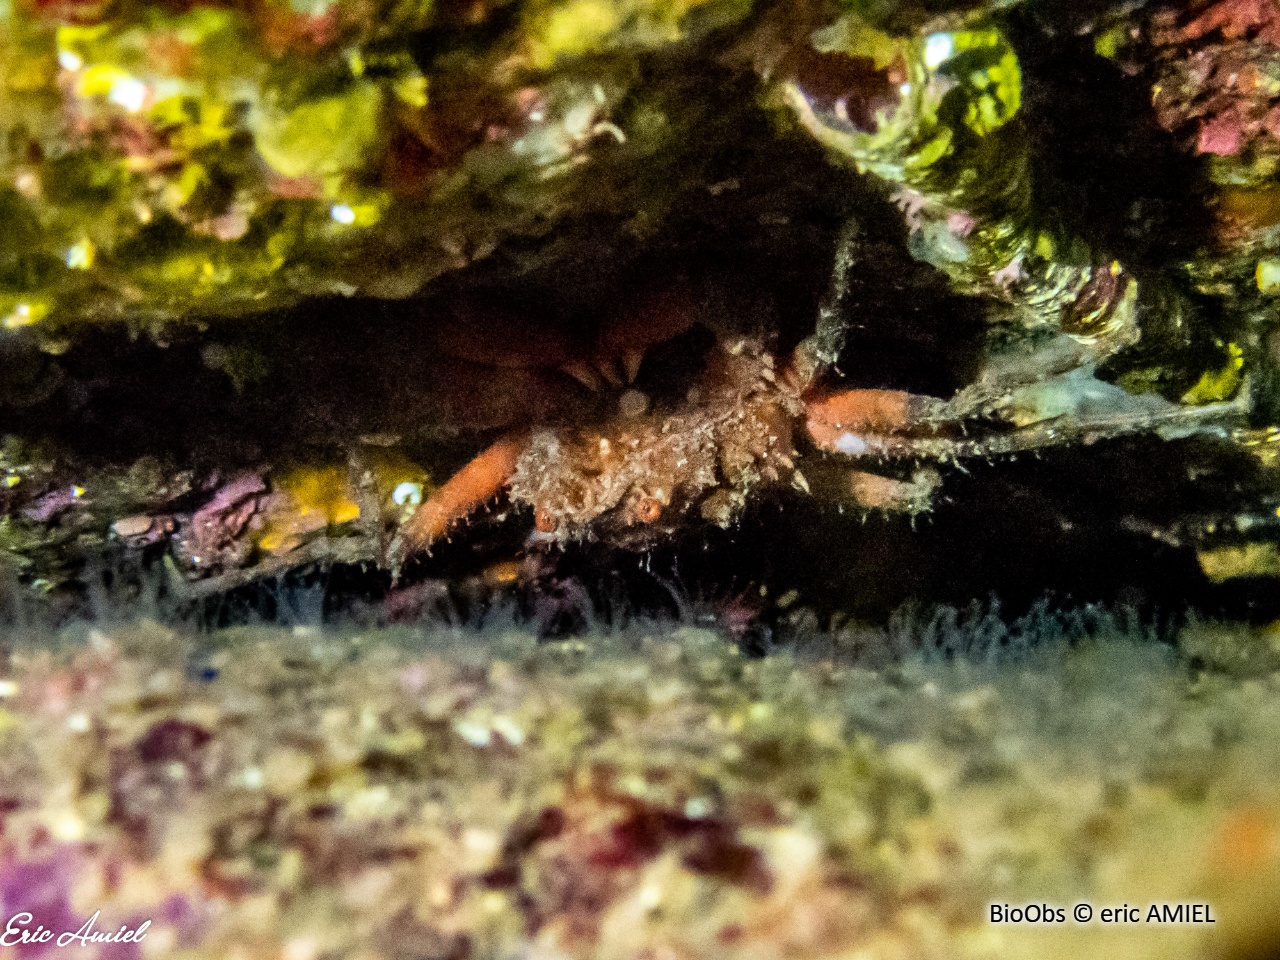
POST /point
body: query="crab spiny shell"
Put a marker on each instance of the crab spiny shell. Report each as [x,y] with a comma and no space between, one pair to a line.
[732,433]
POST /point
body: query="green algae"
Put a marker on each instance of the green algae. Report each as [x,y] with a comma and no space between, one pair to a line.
[177,164]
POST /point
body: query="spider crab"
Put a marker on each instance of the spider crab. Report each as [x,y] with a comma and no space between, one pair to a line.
[750,420]
[741,428]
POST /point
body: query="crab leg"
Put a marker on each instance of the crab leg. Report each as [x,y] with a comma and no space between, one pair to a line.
[870,423]
[477,482]
[855,422]
[881,423]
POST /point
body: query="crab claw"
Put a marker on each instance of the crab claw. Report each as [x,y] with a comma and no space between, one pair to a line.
[479,481]
[631,361]
[585,374]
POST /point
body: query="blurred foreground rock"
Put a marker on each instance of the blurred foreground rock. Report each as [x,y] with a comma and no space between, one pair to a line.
[411,793]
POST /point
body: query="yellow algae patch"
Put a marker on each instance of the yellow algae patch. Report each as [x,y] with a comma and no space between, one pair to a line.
[322,138]
[575,27]
[1215,386]
[312,499]
[1249,560]
[1249,208]
[316,498]
[24,314]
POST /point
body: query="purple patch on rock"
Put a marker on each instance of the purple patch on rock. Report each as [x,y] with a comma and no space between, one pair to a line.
[38,888]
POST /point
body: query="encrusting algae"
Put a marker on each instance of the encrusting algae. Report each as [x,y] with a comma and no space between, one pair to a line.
[169,164]
[307,794]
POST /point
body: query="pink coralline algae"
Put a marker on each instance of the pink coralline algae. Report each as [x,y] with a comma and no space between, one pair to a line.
[1223,135]
[50,505]
[210,539]
[1215,92]
[1238,20]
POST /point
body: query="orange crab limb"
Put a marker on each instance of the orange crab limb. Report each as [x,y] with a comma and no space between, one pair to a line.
[479,481]
[836,422]
[875,492]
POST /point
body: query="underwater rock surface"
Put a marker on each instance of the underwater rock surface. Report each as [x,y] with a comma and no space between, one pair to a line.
[287,288]
[175,163]
[412,793]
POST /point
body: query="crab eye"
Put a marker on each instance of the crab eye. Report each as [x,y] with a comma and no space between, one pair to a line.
[648,509]
[544,521]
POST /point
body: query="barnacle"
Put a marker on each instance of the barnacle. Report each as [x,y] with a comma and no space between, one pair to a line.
[952,146]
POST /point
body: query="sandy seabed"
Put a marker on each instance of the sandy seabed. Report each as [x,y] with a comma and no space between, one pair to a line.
[436,793]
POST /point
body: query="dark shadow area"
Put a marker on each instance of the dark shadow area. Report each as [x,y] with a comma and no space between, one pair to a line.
[745,248]
[1070,530]
[1106,171]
